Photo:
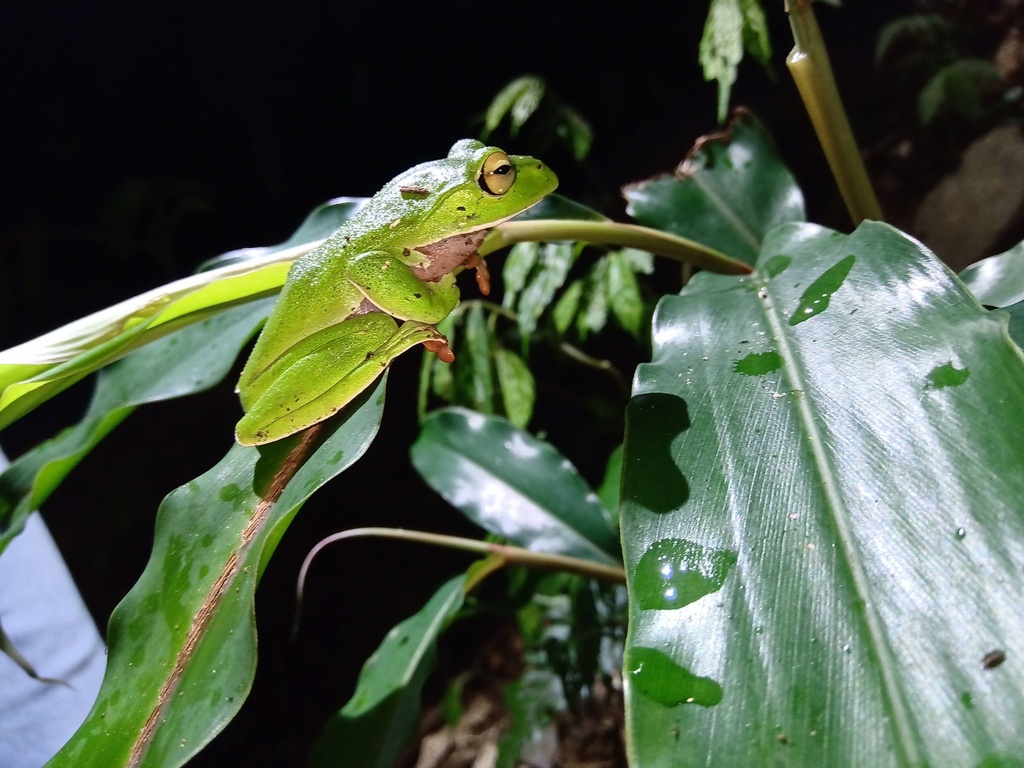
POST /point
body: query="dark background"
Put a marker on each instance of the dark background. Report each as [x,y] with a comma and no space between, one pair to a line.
[141,139]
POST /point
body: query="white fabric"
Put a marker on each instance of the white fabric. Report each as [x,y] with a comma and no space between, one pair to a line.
[44,616]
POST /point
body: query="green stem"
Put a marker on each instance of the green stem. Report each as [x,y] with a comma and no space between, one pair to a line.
[613,233]
[599,363]
[809,65]
[506,554]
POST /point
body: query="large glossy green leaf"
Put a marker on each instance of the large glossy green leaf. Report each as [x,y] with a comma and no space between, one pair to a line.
[182,643]
[727,195]
[998,281]
[188,361]
[822,516]
[32,372]
[371,730]
[512,484]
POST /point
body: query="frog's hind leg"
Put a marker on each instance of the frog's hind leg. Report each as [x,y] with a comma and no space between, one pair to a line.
[327,371]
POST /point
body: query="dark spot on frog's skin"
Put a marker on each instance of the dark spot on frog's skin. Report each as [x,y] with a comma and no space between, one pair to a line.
[993,659]
[540,166]
[461,208]
[414,191]
[406,252]
[471,216]
[418,295]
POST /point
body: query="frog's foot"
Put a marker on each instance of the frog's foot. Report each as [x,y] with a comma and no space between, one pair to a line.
[483,275]
[440,348]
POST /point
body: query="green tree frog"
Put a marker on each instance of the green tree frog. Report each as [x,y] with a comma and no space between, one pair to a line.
[335,327]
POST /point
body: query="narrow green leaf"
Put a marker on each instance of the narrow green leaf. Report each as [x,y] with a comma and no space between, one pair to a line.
[567,306]
[186,362]
[182,643]
[998,281]
[608,493]
[824,552]
[518,265]
[318,225]
[727,195]
[371,730]
[32,372]
[559,207]
[624,293]
[518,390]
[512,484]
[474,379]
[593,315]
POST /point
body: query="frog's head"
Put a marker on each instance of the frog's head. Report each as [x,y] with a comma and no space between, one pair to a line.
[473,188]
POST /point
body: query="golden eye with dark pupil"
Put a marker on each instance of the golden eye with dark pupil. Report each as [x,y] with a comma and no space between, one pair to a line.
[497,174]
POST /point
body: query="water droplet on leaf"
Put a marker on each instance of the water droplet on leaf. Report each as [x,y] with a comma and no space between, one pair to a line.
[676,572]
[758,363]
[658,677]
[816,298]
[947,375]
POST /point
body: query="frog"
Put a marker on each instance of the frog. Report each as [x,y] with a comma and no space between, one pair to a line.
[379,285]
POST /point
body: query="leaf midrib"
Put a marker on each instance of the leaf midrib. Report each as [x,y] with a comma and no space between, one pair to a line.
[905,732]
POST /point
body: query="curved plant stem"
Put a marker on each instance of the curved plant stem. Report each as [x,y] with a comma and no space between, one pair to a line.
[505,554]
[809,65]
[599,363]
[613,233]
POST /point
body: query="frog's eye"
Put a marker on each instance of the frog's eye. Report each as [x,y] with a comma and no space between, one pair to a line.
[497,174]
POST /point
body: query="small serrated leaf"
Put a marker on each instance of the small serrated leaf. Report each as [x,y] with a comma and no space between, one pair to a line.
[519,100]
[548,276]
[755,31]
[721,48]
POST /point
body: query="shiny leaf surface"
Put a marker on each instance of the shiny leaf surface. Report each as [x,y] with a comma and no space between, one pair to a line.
[186,362]
[182,643]
[998,281]
[727,195]
[32,372]
[822,516]
[514,485]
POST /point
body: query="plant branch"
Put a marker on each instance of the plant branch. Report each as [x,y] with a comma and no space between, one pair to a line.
[613,233]
[600,364]
[809,65]
[507,555]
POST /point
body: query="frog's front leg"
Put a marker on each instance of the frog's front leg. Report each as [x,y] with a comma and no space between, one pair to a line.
[389,279]
[326,371]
